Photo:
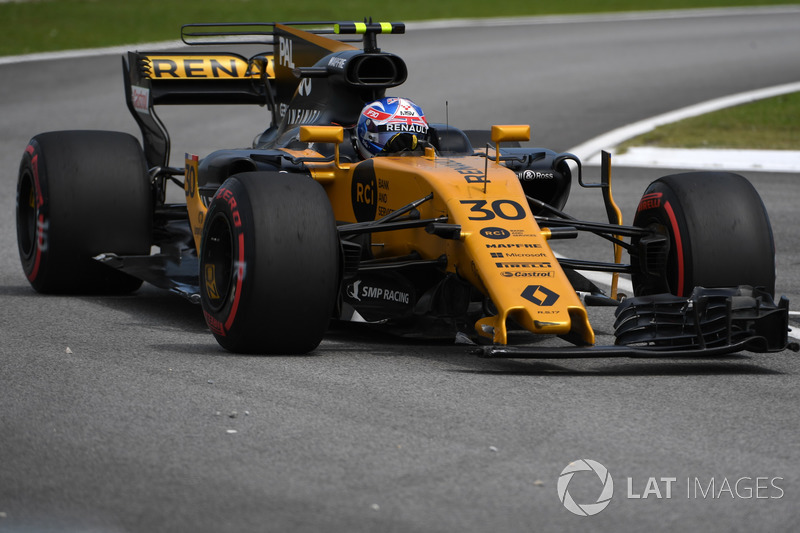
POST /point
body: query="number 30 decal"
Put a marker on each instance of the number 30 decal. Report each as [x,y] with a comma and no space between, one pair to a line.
[506,209]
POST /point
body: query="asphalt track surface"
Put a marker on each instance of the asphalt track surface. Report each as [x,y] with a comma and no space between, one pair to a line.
[131,431]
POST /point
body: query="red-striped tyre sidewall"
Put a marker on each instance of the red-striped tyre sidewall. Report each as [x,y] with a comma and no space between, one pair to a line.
[719,233]
[79,194]
[269,263]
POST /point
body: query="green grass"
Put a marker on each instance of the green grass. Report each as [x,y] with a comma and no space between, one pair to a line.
[46,25]
[766,124]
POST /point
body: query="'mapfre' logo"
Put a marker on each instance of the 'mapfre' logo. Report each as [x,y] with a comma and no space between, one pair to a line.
[585,509]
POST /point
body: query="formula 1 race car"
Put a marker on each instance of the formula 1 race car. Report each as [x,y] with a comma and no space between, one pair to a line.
[351,206]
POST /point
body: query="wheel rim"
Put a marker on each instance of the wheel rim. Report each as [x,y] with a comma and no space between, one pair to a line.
[218,262]
[674,278]
[26,216]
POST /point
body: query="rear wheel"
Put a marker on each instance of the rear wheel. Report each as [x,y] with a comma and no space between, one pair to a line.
[716,230]
[79,194]
[269,263]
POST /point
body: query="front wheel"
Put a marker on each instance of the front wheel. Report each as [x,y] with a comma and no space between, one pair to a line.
[269,263]
[714,232]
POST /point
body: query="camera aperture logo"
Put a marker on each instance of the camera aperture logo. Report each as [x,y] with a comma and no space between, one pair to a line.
[591,467]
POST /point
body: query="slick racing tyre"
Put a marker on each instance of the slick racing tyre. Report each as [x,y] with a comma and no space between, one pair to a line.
[717,234]
[269,263]
[79,194]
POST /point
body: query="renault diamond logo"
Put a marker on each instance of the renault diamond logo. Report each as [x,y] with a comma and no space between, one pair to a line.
[541,296]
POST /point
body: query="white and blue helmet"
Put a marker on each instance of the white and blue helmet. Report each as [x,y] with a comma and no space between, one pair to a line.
[384,119]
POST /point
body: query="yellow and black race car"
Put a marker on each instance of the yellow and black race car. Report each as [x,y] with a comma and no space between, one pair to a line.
[351,206]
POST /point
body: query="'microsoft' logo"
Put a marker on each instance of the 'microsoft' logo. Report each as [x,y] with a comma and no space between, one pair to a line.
[585,509]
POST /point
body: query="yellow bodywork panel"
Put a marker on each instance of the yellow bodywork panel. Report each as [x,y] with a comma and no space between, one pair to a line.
[501,250]
[194,204]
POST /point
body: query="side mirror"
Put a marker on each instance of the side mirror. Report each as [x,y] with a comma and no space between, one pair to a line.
[509,133]
[324,134]
[321,134]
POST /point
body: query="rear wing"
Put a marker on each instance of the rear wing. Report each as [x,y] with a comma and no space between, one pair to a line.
[279,78]
[200,78]
[193,78]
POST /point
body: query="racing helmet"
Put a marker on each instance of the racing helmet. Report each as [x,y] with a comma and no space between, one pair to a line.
[390,119]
